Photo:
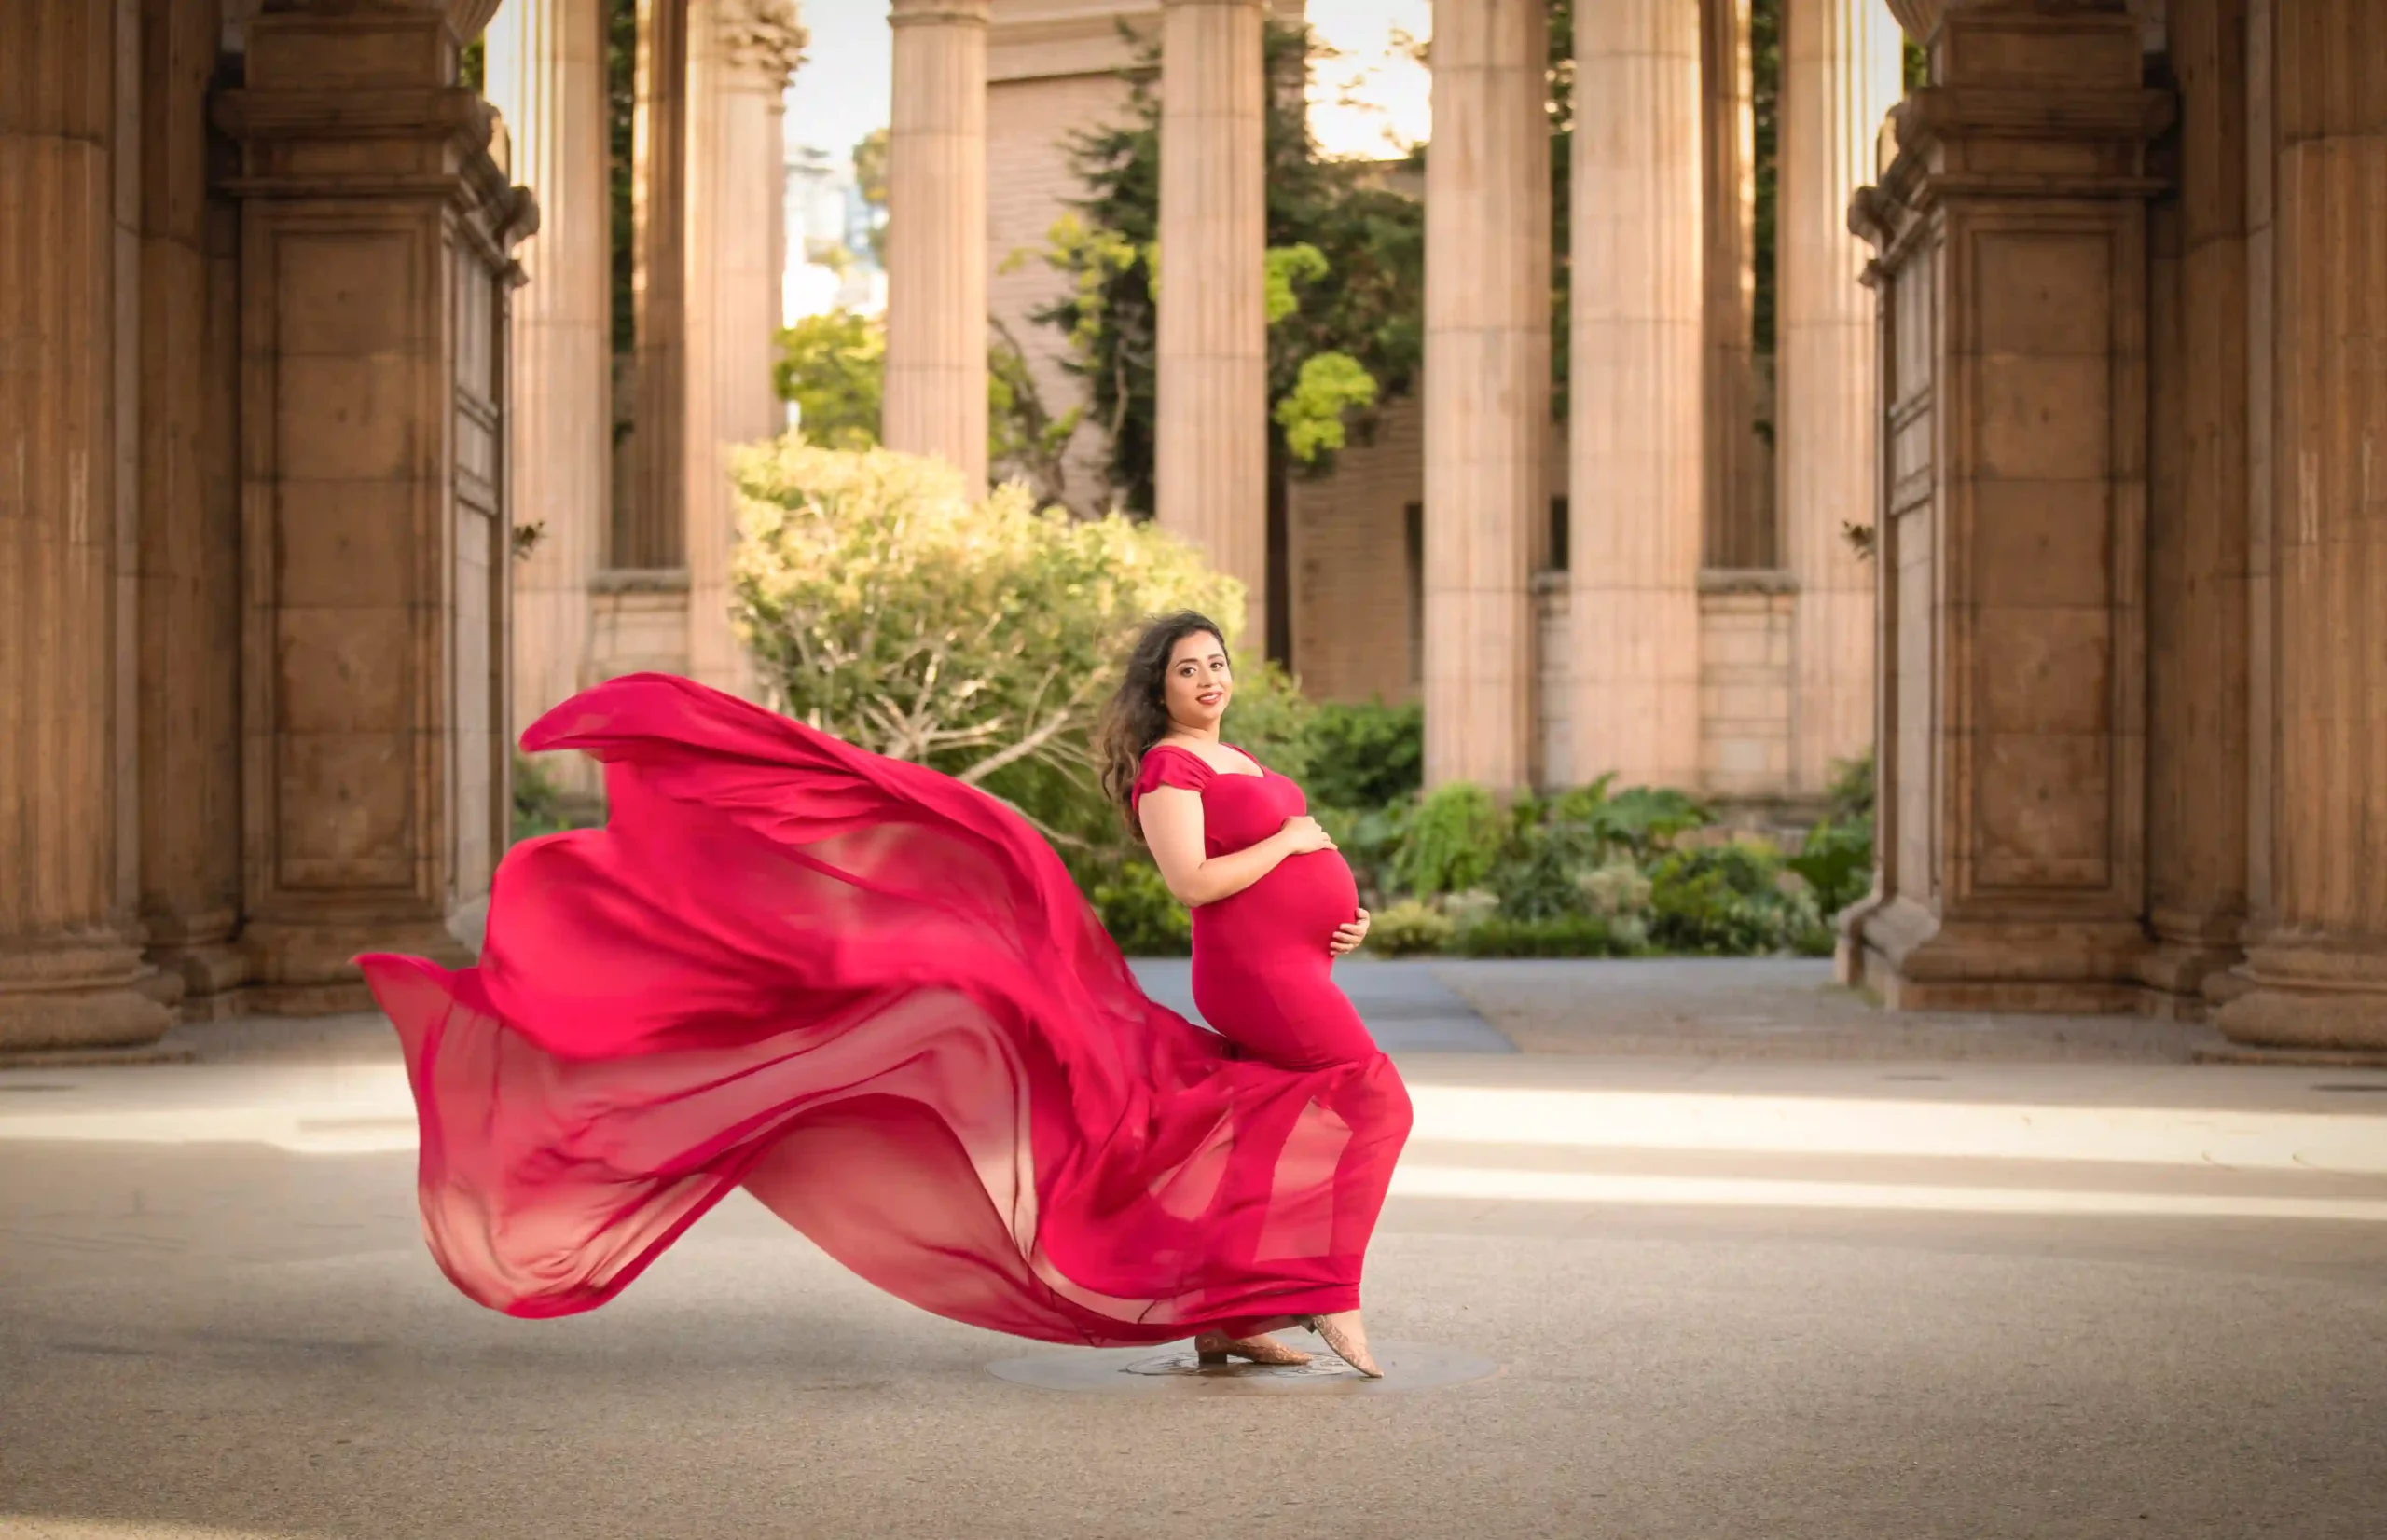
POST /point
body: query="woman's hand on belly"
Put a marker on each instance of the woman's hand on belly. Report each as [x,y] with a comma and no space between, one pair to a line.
[1348,936]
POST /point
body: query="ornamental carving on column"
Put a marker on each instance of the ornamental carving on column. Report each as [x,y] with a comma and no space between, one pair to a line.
[762,39]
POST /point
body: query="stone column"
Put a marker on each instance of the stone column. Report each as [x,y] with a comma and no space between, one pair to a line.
[1740,503]
[70,961]
[741,54]
[2012,522]
[936,236]
[1637,389]
[376,233]
[647,523]
[189,607]
[546,74]
[1210,454]
[2198,525]
[1841,68]
[1486,385]
[2316,968]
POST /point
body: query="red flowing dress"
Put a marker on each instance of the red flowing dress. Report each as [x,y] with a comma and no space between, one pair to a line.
[872,997]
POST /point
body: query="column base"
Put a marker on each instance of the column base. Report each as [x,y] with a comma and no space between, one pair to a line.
[79,991]
[310,970]
[197,953]
[2187,972]
[2310,995]
[1916,960]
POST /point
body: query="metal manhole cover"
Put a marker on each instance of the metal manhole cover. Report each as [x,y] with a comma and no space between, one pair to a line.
[1407,1365]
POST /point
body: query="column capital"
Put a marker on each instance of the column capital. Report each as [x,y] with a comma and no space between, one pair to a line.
[939,13]
[1922,18]
[762,39]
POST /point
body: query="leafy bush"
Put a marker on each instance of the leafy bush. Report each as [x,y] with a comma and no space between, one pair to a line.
[1142,915]
[1410,927]
[1837,858]
[1836,864]
[1850,796]
[1370,840]
[1618,890]
[1272,721]
[1469,909]
[882,604]
[1559,936]
[543,807]
[1454,839]
[1366,756]
[1729,900]
[1540,867]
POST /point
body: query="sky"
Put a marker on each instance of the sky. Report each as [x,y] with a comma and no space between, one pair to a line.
[841,92]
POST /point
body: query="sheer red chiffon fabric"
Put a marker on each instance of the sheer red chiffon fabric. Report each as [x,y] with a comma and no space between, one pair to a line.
[872,997]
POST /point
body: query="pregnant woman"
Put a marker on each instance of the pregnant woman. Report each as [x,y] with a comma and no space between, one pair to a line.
[873,997]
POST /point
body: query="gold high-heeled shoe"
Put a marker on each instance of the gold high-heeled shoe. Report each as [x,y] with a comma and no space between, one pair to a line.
[1217,1347]
[1350,1344]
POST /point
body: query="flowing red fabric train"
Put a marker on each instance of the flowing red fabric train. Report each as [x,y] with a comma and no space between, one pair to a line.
[872,997]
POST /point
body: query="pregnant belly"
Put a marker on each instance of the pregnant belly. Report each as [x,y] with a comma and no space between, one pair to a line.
[1298,905]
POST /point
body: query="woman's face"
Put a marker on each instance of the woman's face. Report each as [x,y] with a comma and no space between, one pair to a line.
[1199,683]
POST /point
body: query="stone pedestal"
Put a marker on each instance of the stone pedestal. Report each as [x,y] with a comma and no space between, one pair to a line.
[71,972]
[375,244]
[1840,73]
[2012,271]
[1486,386]
[741,54]
[1210,454]
[1636,386]
[936,236]
[546,74]
[2316,968]
[189,588]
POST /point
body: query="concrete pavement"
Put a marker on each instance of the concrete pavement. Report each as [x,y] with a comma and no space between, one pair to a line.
[1729,1298]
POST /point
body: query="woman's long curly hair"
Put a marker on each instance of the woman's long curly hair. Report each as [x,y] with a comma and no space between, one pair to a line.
[1138,714]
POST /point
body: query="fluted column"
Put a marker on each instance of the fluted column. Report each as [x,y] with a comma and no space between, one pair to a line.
[2317,957]
[935,400]
[647,523]
[741,54]
[1841,74]
[1636,443]
[546,74]
[1486,384]
[2198,524]
[69,959]
[190,609]
[1210,454]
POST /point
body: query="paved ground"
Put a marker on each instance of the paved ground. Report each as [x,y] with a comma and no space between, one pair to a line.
[1407,1005]
[1731,1296]
[1785,1009]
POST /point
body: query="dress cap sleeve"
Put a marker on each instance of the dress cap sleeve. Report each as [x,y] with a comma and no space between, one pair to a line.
[1166,765]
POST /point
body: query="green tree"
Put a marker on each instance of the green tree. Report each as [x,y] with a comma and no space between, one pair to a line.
[1345,280]
[978,637]
[833,367]
[870,177]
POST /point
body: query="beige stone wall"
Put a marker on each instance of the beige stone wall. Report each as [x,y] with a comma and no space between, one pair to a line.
[1029,121]
[1746,624]
[1353,573]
